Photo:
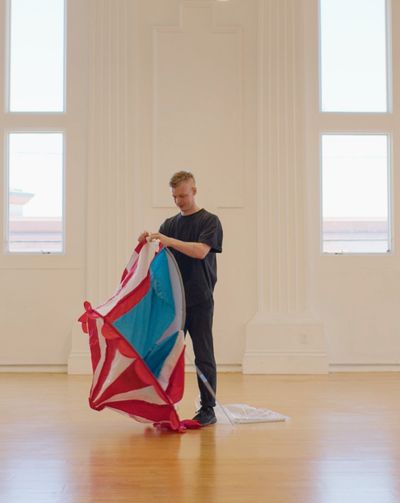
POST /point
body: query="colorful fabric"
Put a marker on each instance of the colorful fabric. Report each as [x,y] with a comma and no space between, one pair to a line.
[137,342]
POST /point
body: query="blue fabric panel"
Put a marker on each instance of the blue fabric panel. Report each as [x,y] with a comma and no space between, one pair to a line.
[146,322]
[156,357]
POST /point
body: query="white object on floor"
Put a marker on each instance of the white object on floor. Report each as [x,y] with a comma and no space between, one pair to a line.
[243,413]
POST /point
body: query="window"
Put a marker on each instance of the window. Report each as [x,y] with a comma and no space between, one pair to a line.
[35,124]
[355,200]
[36,74]
[353,56]
[35,192]
[354,130]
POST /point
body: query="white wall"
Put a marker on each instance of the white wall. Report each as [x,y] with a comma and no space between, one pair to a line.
[224,89]
[174,88]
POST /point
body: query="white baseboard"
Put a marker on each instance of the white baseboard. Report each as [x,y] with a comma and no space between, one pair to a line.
[224,367]
[81,365]
[289,345]
[51,369]
[364,367]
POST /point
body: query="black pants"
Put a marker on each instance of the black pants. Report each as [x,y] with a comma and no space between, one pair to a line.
[199,320]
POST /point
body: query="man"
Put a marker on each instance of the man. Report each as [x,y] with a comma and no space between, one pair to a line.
[194,236]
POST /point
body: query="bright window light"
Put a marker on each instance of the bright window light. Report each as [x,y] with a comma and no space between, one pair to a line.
[353,56]
[35,193]
[355,193]
[37,48]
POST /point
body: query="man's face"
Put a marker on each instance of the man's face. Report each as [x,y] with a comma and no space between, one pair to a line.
[183,195]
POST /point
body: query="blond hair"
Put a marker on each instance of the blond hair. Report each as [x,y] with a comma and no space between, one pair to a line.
[181,176]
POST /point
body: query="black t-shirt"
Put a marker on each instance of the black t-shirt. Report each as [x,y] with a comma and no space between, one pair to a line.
[199,276]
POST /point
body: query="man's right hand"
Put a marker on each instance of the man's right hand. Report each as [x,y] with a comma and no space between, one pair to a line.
[143,236]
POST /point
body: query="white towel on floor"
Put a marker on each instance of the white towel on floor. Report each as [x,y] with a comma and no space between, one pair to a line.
[243,413]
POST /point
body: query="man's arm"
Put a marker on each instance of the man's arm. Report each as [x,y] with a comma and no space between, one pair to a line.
[193,250]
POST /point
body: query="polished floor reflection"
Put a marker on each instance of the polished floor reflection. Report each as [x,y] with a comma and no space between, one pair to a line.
[341,444]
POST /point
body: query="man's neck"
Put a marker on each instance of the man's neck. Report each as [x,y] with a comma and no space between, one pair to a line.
[192,210]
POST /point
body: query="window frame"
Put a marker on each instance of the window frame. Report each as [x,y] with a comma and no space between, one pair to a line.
[73,124]
[389,173]
[351,123]
[35,122]
[7,133]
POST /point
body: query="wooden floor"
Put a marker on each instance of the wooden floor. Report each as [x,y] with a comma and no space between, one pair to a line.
[341,444]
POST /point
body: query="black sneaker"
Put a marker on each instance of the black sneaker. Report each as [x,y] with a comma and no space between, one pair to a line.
[205,416]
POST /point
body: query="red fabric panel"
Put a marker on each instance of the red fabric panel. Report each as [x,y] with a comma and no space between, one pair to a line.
[176,384]
[111,347]
[149,411]
[93,343]
[129,301]
[129,380]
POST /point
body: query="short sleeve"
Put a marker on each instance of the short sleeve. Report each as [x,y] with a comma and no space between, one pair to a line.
[164,228]
[211,233]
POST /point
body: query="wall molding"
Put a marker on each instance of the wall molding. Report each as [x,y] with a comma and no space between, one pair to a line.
[110,175]
[364,367]
[282,337]
[225,368]
[37,368]
[79,362]
[80,365]
[211,70]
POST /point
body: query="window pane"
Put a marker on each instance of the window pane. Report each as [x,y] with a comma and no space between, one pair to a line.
[353,56]
[35,216]
[355,190]
[37,56]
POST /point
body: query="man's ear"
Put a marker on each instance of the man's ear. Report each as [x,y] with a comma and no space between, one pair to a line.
[194,190]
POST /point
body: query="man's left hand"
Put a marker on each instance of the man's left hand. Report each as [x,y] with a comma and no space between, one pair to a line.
[165,240]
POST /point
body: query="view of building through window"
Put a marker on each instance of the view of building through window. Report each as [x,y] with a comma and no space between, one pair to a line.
[35,222]
[355,193]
